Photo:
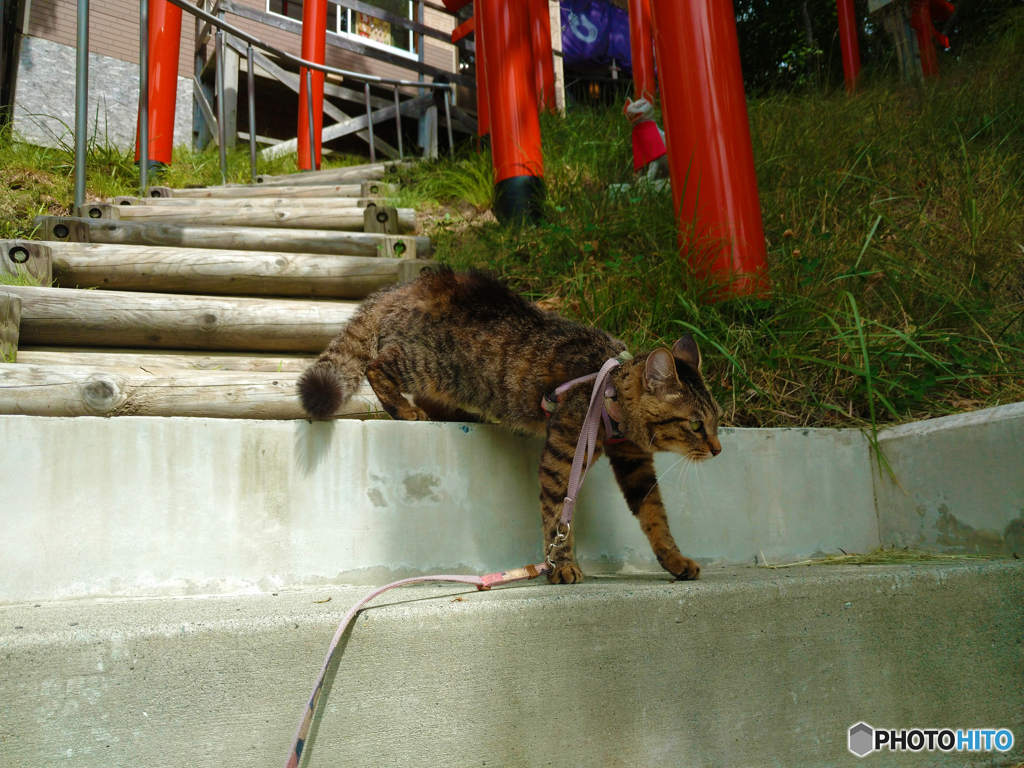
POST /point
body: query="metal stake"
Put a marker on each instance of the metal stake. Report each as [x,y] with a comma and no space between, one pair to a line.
[398,124]
[312,125]
[221,108]
[448,117]
[144,96]
[81,100]
[369,122]
[252,113]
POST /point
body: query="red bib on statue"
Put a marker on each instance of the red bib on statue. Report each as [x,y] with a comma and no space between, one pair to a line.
[647,144]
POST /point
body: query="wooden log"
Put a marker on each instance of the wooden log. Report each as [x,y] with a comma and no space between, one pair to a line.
[10,326]
[38,390]
[63,316]
[291,217]
[310,190]
[28,259]
[356,173]
[65,229]
[238,203]
[381,218]
[97,357]
[192,270]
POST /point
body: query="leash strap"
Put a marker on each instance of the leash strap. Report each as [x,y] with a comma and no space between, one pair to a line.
[480,582]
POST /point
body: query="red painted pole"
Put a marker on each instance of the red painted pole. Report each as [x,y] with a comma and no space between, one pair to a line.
[483,114]
[921,21]
[540,28]
[849,43]
[641,43]
[711,158]
[504,26]
[314,48]
[164,44]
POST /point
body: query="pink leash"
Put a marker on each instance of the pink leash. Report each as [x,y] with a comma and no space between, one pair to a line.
[588,441]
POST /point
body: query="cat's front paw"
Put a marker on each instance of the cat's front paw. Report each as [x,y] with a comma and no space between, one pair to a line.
[683,568]
[566,574]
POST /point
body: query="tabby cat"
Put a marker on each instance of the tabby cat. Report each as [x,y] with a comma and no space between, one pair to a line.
[465,347]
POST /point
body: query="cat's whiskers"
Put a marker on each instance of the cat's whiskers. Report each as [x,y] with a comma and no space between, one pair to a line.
[658,478]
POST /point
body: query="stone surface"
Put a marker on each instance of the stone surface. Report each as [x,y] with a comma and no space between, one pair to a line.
[746,667]
[962,481]
[44,112]
[177,506]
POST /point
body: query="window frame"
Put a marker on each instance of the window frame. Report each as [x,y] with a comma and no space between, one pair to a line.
[412,54]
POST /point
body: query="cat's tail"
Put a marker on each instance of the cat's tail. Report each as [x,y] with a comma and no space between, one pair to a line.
[331,381]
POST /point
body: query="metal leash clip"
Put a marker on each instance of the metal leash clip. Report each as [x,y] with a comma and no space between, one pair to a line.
[558,543]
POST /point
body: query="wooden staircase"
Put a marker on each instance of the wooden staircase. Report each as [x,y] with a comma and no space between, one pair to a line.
[199,302]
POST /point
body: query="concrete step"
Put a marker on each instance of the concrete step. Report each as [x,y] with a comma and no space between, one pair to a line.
[85,230]
[213,271]
[746,667]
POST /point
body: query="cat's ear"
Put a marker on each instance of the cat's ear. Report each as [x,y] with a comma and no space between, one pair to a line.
[686,351]
[660,370]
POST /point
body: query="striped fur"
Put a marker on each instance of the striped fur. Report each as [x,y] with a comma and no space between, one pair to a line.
[465,347]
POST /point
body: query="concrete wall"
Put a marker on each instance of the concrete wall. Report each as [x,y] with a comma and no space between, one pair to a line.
[960,483]
[150,506]
[44,112]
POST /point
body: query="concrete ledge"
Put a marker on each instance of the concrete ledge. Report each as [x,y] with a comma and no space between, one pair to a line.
[962,481]
[747,667]
[140,506]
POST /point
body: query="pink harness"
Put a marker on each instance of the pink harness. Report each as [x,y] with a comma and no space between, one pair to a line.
[580,463]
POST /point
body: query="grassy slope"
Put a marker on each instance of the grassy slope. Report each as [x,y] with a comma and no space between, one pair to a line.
[895,224]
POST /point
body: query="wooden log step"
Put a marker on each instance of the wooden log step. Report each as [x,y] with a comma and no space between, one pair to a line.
[97,357]
[63,316]
[10,326]
[372,172]
[68,229]
[239,273]
[58,390]
[288,217]
[361,189]
[210,203]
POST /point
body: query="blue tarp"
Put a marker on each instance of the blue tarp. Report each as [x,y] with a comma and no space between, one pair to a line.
[593,33]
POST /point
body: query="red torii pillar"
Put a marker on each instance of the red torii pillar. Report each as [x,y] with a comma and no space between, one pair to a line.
[641,43]
[164,44]
[711,157]
[465,29]
[503,28]
[540,28]
[849,43]
[314,48]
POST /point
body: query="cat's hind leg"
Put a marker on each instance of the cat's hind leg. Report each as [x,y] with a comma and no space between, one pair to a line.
[555,465]
[634,471]
[388,374]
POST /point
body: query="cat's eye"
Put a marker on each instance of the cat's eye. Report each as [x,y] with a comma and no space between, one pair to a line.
[696,425]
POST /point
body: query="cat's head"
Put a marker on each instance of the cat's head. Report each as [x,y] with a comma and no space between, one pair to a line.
[675,412]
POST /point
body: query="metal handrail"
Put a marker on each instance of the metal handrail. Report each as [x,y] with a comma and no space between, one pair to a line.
[218,23]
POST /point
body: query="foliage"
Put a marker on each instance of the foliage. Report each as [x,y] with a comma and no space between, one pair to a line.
[895,224]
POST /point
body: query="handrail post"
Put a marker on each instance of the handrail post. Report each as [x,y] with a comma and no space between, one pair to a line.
[312,125]
[221,106]
[251,83]
[81,100]
[448,119]
[369,122]
[398,124]
[144,96]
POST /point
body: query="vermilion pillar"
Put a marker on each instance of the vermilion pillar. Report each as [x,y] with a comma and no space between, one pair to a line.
[314,48]
[164,44]
[641,43]
[483,115]
[849,43]
[503,27]
[540,29]
[921,21]
[711,158]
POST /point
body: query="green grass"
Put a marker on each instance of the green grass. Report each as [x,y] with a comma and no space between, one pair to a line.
[895,227]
